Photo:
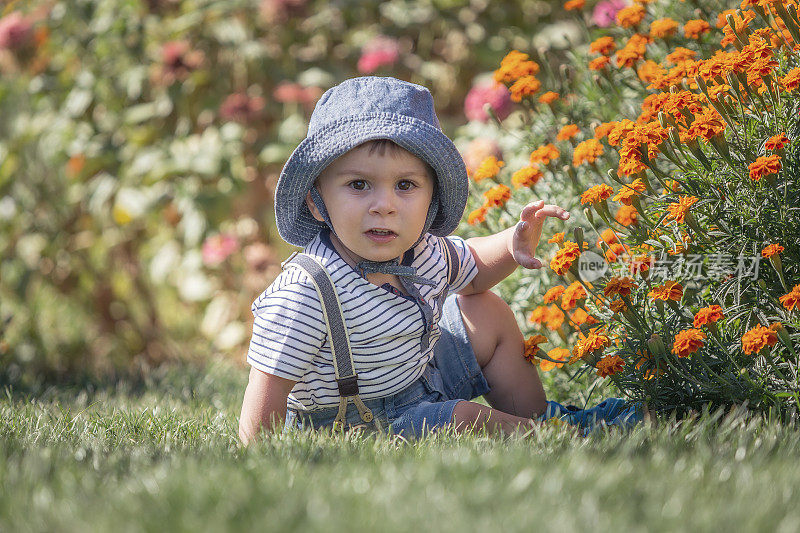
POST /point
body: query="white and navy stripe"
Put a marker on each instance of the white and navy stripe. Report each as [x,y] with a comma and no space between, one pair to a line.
[290,339]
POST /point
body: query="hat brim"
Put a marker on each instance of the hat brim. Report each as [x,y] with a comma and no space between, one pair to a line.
[295,223]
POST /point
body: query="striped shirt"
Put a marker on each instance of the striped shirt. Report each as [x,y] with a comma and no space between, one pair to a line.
[290,338]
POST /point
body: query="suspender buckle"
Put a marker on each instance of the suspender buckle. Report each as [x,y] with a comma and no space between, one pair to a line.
[348,386]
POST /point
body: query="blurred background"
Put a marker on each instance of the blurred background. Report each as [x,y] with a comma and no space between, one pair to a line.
[141,140]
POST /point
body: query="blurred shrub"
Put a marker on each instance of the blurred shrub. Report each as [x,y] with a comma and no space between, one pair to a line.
[141,140]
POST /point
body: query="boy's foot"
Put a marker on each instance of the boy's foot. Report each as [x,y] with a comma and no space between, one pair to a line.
[609,412]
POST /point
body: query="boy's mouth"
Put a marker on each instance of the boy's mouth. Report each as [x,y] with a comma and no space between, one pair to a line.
[381,235]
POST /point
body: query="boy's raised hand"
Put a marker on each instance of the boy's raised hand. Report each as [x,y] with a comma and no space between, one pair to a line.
[529,230]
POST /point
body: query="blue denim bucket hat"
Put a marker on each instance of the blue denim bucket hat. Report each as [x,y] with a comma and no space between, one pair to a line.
[360,110]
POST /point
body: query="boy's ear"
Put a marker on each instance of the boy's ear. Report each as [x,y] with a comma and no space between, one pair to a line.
[313,208]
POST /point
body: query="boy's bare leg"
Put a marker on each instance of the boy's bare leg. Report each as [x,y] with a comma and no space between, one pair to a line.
[498,345]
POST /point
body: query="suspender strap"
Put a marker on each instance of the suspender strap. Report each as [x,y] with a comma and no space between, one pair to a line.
[346,377]
[451,256]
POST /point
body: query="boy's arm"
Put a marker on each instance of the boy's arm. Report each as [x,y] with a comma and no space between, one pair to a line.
[264,404]
[497,256]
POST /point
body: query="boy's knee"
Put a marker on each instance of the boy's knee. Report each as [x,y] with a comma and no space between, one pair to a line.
[488,309]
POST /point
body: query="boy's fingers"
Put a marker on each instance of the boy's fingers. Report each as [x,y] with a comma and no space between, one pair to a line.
[530,210]
[552,211]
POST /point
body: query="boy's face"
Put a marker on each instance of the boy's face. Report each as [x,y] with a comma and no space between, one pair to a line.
[367,192]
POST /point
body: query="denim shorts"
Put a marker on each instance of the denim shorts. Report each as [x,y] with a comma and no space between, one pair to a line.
[427,404]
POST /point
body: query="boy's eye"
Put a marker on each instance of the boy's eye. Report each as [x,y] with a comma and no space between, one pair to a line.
[358,185]
[405,185]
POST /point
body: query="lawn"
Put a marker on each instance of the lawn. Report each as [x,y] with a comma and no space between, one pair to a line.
[163,456]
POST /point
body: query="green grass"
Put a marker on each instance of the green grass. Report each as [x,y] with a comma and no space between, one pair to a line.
[164,457]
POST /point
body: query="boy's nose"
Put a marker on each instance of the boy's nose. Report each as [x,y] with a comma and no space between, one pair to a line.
[383,202]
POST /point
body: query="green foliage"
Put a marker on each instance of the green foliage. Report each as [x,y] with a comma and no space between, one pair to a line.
[691,154]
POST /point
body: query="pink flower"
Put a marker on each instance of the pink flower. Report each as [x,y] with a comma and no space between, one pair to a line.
[178,60]
[218,248]
[605,12]
[379,52]
[15,31]
[241,108]
[293,93]
[489,92]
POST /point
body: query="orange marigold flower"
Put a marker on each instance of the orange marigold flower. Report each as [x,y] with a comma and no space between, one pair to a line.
[599,63]
[557,354]
[587,152]
[650,72]
[526,177]
[603,45]
[620,131]
[708,315]
[544,154]
[580,317]
[572,295]
[497,196]
[553,294]
[722,17]
[772,249]
[630,16]
[663,28]
[670,290]
[565,257]
[764,166]
[548,98]
[707,124]
[687,342]
[680,54]
[715,91]
[514,66]
[627,215]
[791,81]
[596,194]
[609,365]
[593,343]
[627,192]
[678,210]
[791,299]
[604,129]
[640,263]
[525,86]
[756,339]
[478,215]
[618,306]
[567,132]
[554,318]
[695,28]
[538,315]
[633,50]
[607,236]
[776,142]
[620,286]
[560,265]
[614,251]
[532,348]
[557,238]
[488,168]
[570,250]
[571,5]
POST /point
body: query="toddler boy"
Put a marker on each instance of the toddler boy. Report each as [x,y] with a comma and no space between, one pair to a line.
[370,194]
